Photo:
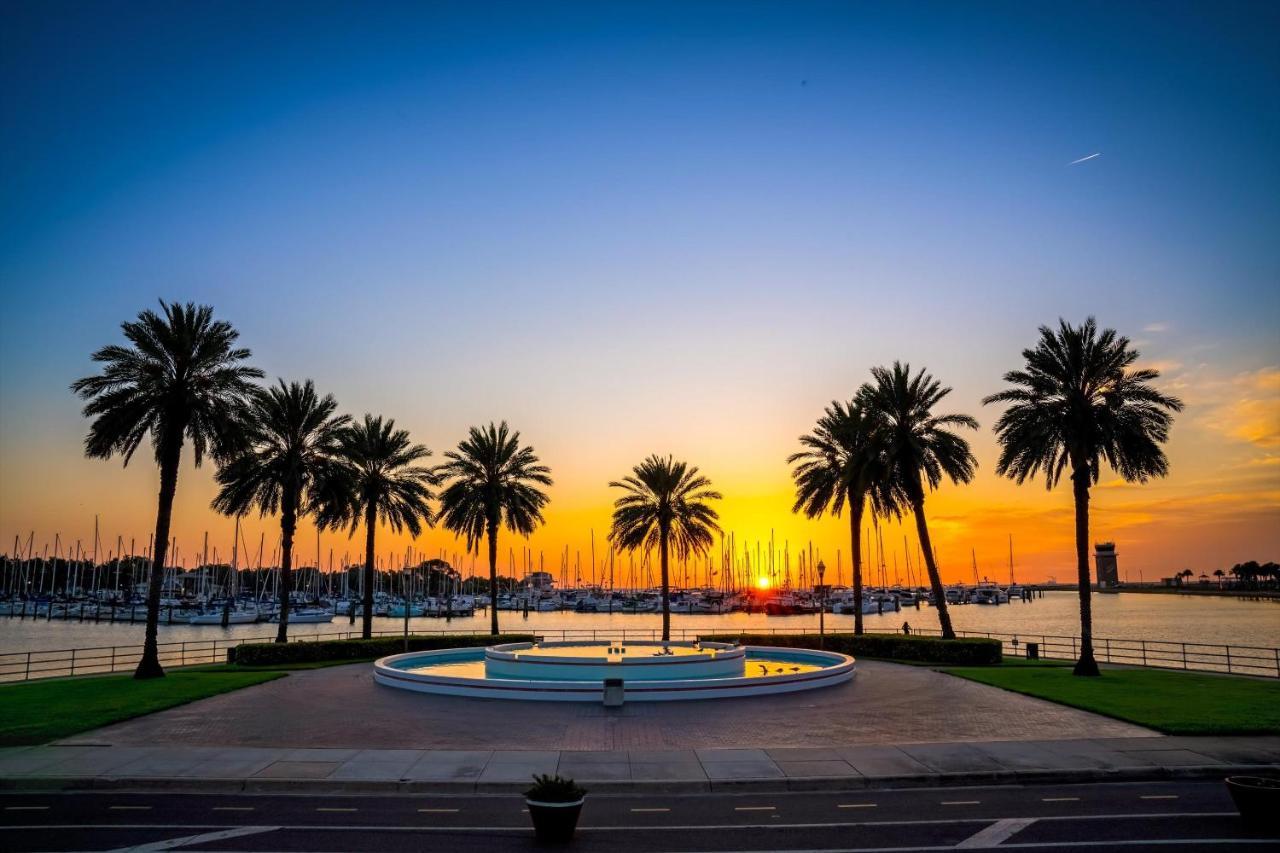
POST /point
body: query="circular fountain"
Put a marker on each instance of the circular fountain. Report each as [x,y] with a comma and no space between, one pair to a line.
[574,671]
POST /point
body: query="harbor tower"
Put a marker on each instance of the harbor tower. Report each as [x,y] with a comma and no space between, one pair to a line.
[1104,556]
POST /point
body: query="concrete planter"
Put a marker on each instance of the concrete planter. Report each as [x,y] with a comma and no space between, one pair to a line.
[1257,799]
[555,822]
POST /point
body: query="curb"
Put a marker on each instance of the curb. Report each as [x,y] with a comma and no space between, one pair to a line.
[672,786]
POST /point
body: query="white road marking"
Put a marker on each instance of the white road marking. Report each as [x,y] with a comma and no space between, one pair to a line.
[173,843]
[130,808]
[1158,797]
[651,810]
[962,802]
[438,811]
[857,805]
[754,808]
[233,808]
[26,808]
[332,809]
[1059,799]
[997,832]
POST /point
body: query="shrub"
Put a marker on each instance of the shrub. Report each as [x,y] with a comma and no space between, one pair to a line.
[964,651]
[277,654]
[554,789]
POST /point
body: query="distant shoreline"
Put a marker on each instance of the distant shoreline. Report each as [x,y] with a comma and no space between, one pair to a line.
[1269,594]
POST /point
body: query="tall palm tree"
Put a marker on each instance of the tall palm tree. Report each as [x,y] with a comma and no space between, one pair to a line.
[181,377]
[843,463]
[919,450]
[377,482]
[494,482]
[1078,403]
[666,505]
[287,466]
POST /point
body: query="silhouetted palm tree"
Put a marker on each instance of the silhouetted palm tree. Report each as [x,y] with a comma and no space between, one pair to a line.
[1078,403]
[378,481]
[180,377]
[666,505]
[288,466]
[494,482]
[844,462]
[919,450]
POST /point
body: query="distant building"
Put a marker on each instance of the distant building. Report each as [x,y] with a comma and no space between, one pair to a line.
[1104,556]
[540,580]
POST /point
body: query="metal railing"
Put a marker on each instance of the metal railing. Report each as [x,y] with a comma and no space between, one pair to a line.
[1163,654]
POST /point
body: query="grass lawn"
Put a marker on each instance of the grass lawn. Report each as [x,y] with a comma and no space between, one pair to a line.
[1176,703]
[41,711]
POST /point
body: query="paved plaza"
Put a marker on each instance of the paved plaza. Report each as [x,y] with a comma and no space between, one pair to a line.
[342,708]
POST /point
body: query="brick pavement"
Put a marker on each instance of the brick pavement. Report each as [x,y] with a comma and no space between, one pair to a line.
[342,707]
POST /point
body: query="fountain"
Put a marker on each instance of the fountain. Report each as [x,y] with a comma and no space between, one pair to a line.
[591,671]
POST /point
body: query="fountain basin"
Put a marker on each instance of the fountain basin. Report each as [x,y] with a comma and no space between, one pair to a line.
[648,672]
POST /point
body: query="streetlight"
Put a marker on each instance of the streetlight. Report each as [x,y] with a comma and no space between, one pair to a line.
[822,606]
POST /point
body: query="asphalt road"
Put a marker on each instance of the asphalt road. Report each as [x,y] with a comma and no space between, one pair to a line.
[1168,817]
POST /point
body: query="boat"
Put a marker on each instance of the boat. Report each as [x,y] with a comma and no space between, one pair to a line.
[306,616]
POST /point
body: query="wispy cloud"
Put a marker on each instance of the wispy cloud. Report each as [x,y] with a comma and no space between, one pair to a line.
[1156,327]
[1083,159]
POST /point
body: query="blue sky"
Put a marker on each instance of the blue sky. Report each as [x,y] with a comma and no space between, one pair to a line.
[643,220]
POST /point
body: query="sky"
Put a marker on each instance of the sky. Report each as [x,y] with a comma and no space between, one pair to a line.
[653,228]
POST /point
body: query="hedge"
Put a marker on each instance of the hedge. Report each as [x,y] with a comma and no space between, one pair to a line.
[276,654]
[965,651]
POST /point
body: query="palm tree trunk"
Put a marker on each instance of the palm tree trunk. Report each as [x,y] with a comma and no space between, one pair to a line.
[664,537]
[370,528]
[288,526]
[171,455]
[855,541]
[493,577]
[935,580]
[1080,485]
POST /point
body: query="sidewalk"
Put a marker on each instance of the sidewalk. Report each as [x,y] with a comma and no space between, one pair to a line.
[231,769]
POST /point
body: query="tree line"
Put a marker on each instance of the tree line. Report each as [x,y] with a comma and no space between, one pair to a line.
[284,450]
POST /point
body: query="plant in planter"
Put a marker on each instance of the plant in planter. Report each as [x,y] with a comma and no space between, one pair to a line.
[554,804]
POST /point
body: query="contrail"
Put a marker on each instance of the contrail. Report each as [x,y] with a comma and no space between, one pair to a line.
[1082,159]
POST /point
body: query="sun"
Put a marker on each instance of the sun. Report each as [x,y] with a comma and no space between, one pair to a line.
[762,582]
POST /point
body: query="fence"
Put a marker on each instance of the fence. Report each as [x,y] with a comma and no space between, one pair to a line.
[1204,657]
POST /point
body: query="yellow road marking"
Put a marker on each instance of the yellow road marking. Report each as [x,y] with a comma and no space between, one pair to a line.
[856,805]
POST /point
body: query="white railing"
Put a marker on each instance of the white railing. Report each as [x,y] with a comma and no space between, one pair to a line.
[1164,654]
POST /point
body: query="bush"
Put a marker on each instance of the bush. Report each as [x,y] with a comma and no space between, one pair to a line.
[554,789]
[277,654]
[963,651]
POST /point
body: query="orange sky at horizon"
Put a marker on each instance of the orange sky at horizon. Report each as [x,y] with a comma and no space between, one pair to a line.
[1219,506]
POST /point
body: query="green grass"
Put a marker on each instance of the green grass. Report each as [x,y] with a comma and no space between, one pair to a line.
[1181,703]
[41,711]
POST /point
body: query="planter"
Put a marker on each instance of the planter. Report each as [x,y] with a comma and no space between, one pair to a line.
[555,821]
[1257,799]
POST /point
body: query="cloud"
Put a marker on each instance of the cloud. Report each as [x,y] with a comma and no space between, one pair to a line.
[1156,328]
[1084,159]
[1251,412]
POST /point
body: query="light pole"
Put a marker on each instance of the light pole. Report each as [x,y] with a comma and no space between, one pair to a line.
[822,606]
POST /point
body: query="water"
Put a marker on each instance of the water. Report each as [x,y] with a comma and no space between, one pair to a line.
[1176,618]
[471,665]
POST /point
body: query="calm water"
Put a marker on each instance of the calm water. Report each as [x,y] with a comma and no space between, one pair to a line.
[1124,616]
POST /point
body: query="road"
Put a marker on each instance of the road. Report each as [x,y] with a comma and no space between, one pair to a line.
[1166,816]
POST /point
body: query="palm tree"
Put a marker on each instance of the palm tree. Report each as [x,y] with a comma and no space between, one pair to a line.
[289,462]
[494,482]
[1077,402]
[665,505]
[180,377]
[377,481]
[919,449]
[844,463]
